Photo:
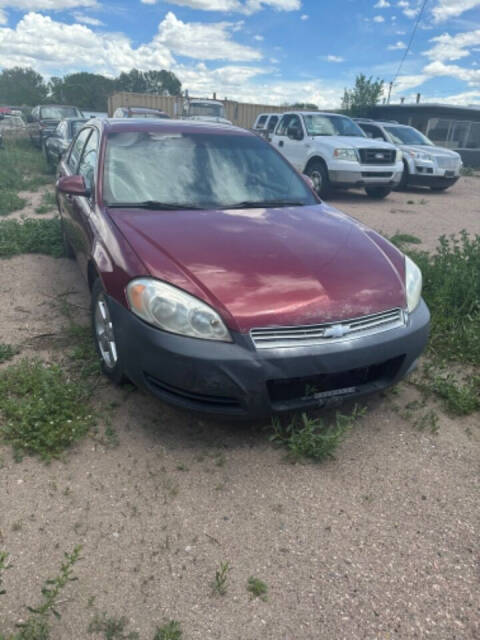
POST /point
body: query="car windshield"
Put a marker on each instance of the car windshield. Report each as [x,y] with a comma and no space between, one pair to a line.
[76,126]
[325,125]
[198,170]
[408,135]
[206,109]
[58,113]
[145,114]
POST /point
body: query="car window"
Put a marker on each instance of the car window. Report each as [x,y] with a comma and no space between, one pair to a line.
[372,131]
[318,124]
[408,135]
[76,151]
[197,170]
[272,123]
[290,120]
[58,113]
[261,122]
[88,161]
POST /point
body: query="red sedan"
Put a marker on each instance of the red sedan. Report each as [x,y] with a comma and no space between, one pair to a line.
[220,282]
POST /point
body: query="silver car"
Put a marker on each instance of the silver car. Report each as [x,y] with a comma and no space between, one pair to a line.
[425,164]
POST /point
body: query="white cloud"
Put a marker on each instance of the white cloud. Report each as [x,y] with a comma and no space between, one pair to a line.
[331,58]
[3,17]
[81,17]
[437,68]
[47,5]
[408,11]
[382,4]
[446,9]
[258,38]
[379,19]
[203,41]
[248,7]
[404,83]
[397,46]
[304,17]
[449,47]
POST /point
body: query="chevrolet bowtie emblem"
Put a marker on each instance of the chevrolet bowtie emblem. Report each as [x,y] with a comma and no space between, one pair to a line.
[336,331]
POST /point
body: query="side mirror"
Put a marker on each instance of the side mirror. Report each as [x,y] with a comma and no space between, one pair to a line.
[294,133]
[73,186]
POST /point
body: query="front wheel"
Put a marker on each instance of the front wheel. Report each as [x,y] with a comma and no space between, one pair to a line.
[378,193]
[441,188]
[318,174]
[104,335]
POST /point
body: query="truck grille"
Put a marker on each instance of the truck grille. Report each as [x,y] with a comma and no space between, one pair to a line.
[377,156]
[312,335]
[444,162]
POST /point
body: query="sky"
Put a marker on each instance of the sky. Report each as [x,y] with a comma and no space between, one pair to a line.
[263,51]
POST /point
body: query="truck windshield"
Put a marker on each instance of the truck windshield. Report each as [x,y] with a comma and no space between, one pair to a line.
[206,109]
[326,125]
[408,135]
[198,171]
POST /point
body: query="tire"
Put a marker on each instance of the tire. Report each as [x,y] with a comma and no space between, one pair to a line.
[45,154]
[442,188]
[318,174]
[378,193]
[404,181]
[104,335]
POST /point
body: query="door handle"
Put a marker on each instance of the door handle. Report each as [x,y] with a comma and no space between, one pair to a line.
[280,144]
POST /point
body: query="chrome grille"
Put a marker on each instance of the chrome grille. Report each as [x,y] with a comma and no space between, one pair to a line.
[305,336]
[377,156]
[444,162]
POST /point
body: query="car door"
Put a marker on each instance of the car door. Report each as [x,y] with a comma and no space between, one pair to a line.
[68,212]
[52,144]
[293,148]
[82,205]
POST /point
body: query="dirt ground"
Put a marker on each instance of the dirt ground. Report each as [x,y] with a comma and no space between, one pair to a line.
[380,543]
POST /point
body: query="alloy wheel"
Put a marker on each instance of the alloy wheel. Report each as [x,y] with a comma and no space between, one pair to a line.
[104,333]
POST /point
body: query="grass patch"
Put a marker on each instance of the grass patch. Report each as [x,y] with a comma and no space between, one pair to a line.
[49,203]
[459,397]
[306,437]
[7,352]
[22,168]
[468,172]
[44,411]
[257,588]
[111,628]
[399,239]
[169,631]
[31,236]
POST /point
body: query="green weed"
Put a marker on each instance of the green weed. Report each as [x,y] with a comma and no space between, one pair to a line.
[44,411]
[7,351]
[257,588]
[306,437]
[111,628]
[49,203]
[31,236]
[459,397]
[399,239]
[219,585]
[169,631]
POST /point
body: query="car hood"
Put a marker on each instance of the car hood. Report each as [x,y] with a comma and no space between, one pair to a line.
[270,267]
[433,151]
[354,142]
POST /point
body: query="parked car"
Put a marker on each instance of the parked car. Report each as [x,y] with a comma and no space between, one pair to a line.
[44,120]
[219,280]
[425,164]
[265,124]
[204,109]
[139,112]
[56,144]
[335,153]
[12,124]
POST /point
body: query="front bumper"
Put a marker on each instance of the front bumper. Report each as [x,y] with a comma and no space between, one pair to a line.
[238,380]
[365,175]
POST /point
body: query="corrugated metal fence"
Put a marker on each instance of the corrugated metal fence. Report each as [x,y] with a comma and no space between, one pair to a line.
[241,114]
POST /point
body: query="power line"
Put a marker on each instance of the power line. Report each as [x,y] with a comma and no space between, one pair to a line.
[407,50]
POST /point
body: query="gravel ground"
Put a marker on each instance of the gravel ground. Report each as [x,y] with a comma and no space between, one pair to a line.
[380,543]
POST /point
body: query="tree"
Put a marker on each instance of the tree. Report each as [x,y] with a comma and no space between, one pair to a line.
[133,82]
[366,93]
[22,86]
[161,82]
[84,90]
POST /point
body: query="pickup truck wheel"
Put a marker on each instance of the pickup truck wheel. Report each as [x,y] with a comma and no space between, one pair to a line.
[378,193]
[404,181]
[318,174]
[104,335]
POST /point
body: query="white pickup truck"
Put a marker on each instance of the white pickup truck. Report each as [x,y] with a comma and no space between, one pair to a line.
[335,153]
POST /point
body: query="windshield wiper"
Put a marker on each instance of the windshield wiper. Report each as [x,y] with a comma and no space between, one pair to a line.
[153,205]
[264,204]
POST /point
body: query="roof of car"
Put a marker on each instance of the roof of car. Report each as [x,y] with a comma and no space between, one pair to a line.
[177,126]
[143,109]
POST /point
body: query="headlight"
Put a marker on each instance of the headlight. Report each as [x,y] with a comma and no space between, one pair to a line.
[413,284]
[346,154]
[420,155]
[174,310]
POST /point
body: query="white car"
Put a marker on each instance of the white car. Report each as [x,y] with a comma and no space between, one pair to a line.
[334,152]
[424,164]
